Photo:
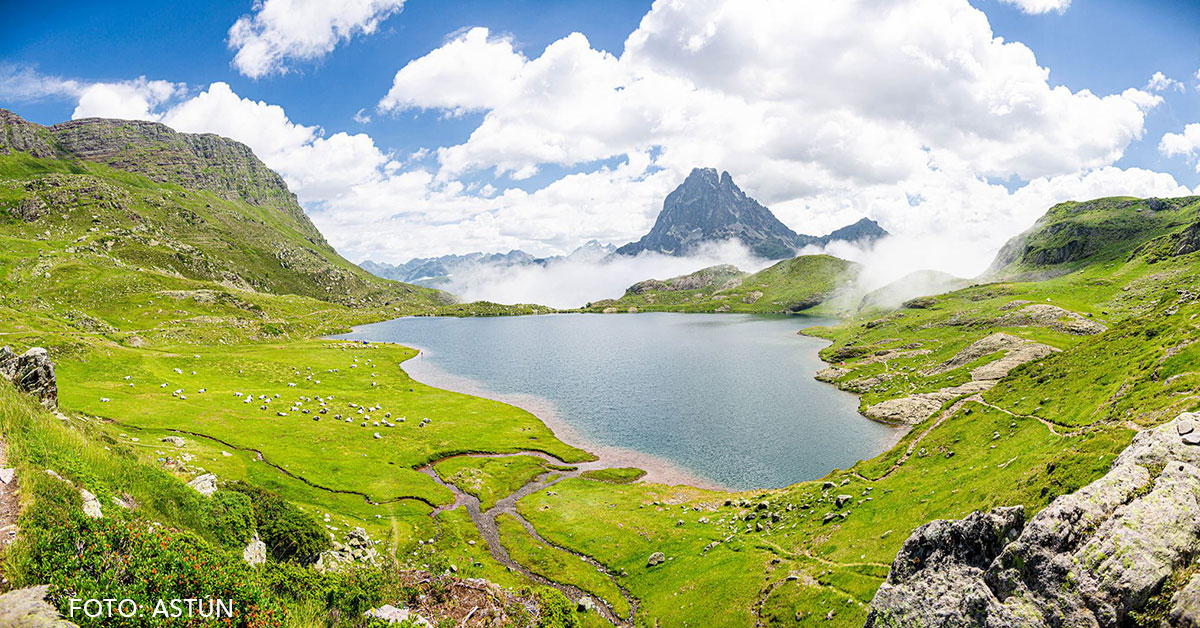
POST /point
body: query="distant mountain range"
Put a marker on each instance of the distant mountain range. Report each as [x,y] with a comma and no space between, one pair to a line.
[436,272]
[708,207]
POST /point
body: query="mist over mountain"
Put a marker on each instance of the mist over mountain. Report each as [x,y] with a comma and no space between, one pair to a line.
[438,271]
[710,207]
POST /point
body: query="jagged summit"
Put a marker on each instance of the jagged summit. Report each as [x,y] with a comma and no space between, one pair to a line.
[710,207]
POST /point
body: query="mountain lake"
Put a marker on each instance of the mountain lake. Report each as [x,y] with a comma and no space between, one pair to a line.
[716,400]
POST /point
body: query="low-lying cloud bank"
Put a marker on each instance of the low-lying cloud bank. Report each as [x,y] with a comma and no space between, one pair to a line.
[570,283]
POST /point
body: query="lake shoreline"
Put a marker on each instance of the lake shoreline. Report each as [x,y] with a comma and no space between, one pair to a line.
[658,470]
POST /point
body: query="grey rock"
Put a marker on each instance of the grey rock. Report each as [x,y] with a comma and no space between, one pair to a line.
[6,475]
[1088,559]
[174,440]
[255,552]
[842,500]
[657,558]
[1185,606]
[586,605]
[393,615]
[31,372]
[204,484]
[91,505]
[27,608]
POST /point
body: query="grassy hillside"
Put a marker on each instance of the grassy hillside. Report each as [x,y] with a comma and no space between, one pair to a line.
[1125,327]
[1074,235]
[164,312]
[795,285]
[166,272]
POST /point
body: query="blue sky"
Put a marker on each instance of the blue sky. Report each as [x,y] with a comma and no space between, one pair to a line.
[452,160]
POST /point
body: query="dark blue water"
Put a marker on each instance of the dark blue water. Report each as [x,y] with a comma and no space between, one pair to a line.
[729,398]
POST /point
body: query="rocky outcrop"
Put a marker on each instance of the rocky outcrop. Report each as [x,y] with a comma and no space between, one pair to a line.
[1094,558]
[1051,317]
[196,161]
[916,408]
[709,207]
[31,372]
[28,608]
[1017,351]
[205,484]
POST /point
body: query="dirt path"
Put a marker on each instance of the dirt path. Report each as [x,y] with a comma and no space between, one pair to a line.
[10,502]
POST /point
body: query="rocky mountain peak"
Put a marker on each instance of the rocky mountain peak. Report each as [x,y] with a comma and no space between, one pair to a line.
[709,207]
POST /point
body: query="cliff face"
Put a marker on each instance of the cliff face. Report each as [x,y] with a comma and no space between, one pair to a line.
[201,207]
[206,161]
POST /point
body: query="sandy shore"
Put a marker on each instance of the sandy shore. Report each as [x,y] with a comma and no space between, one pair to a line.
[658,470]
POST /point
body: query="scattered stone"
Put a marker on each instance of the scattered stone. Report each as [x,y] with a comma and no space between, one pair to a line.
[255,552]
[205,484]
[392,615]
[174,440]
[657,558]
[841,500]
[6,475]
[91,505]
[586,605]
[1185,606]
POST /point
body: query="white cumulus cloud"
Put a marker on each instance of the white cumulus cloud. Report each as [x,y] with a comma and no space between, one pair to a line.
[1038,7]
[280,30]
[1185,144]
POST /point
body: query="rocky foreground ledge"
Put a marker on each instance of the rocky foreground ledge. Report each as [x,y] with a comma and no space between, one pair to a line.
[31,372]
[1107,555]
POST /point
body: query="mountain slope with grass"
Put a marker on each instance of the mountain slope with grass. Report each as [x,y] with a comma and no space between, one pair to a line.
[808,283]
[1073,235]
[205,421]
[198,207]
[126,247]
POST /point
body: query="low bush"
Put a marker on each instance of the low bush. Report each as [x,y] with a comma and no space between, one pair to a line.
[230,517]
[287,531]
[150,564]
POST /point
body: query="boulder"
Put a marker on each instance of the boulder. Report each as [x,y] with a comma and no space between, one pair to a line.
[842,500]
[255,552]
[392,615]
[1091,558]
[31,372]
[657,558]
[1185,606]
[27,608]
[91,505]
[205,484]
[586,605]
[174,440]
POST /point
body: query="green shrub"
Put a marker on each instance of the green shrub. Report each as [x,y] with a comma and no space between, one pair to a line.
[230,517]
[111,558]
[558,611]
[287,531]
